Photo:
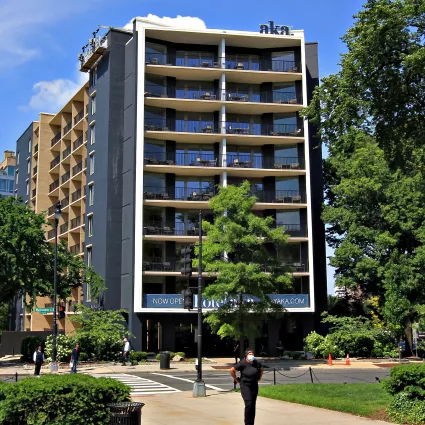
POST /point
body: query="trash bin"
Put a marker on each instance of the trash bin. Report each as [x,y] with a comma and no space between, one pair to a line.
[126,413]
[164,360]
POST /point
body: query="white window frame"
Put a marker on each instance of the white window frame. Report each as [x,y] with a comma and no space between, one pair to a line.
[28,166]
[93,104]
[91,194]
[16,177]
[90,225]
[27,188]
[93,133]
[17,158]
[29,145]
[91,163]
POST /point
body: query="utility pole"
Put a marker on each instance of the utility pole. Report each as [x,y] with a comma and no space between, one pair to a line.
[199,385]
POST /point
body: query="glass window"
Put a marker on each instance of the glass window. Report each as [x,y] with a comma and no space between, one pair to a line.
[243,61]
[288,217]
[155,86]
[191,154]
[27,188]
[29,145]
[91,194]
[189,58]
[284,61]
[194,89]
[284,93]
[194,122]
[287,183]
[89,256]
[90,225]
[154,116]
[92,134]
[17,176]
[154,251]
[93,104]
[28,166]
[287,155]
[156,54]
[154,181]
[17,158]
[240,92]
[91,163]
[153,217]
[285,123]
[290,253]
[155,149]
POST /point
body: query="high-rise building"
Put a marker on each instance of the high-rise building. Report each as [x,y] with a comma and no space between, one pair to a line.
[172,115]
[7,174]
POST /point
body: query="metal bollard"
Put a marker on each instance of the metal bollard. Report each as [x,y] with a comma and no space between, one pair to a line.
[311,374]
[16,377]
[274,376]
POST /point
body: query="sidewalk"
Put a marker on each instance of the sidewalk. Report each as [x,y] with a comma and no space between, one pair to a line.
[227,409]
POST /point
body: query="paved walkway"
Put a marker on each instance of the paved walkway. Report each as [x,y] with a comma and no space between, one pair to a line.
[227,409]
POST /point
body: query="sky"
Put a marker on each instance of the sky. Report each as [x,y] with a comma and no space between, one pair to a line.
[40,41]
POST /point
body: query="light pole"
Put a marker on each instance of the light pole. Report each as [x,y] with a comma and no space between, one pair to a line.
[58,213]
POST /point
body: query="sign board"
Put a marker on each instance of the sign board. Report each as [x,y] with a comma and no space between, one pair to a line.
[271,28]
[176,301]
[44,310]
[402,345]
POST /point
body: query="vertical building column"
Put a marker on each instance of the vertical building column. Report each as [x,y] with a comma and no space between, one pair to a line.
[222,53]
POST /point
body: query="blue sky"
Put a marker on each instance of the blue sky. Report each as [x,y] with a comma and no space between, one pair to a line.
[40,41]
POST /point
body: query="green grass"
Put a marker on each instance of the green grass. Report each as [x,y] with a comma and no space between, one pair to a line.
[359,399]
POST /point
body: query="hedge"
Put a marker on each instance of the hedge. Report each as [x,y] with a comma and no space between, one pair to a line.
[60,400]
[407,378]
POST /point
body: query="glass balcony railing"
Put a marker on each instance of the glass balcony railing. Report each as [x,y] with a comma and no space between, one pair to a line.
[201,159]
[65,201]
[179,193]
[280,196]
[229,127]
[177,228]
[193,60]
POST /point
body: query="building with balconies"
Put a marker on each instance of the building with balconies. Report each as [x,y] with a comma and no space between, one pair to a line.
[7,174]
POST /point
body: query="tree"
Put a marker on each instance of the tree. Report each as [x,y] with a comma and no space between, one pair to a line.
[240,249]
[370,116]
[100,333]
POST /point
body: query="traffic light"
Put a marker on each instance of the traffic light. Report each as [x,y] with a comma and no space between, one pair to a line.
[61,312]
[186,261]
[188,299]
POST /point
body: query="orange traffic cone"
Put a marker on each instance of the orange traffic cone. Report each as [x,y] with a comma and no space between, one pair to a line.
[347,360]
[330,360]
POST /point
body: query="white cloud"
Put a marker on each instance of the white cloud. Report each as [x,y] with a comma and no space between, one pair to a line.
[188,22]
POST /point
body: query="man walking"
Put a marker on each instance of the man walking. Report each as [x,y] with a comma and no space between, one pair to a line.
[75,356]
[125,351]
[38,358]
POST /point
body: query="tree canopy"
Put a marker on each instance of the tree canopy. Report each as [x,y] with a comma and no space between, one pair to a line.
[240,250]
[370,117]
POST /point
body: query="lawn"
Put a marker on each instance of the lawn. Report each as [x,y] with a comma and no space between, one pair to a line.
[359,399]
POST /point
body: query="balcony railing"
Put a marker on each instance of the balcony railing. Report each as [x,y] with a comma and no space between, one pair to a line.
[51,234]
[178,229]
[34,170]
[79,116]
[75,249]
[63,228]
[36,148]
[179,193]
[34,192]
[189,93]
[77,168]
[55,161]
[280,196]
[54,185]
[78,142]
[75,222]
[56,138]
[65,177]
[229,127]
[66,152]
[206,60]
[201,159]
[76,195]
[65,201]
[67,127]
[291,229]
[260,97]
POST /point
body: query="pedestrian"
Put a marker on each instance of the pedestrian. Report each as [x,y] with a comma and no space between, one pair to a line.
[236,348]
[38,358]
[125,351]
[251,373]
[75,356]
[280,349]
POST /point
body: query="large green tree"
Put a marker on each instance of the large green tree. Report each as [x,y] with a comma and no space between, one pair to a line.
[27,259]
[370,115]
[240,250]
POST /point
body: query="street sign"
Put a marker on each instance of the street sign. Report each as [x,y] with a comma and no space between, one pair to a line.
[44,310]
[402,345]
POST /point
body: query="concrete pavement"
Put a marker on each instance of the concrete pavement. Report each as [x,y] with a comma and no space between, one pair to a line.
[227,409]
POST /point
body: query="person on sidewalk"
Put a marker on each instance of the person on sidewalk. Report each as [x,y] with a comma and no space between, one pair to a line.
[75,356]
[280,349]
[38,358]
[251,373]
[236,348]
[126,352]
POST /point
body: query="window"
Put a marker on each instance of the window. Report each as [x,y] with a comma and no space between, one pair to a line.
[92,134]
[93,77]
[156,53]
[29,145]
[284,93]
[28,166]
[91,163]
[93,104]
[17,158]
[90,225]
[17,176]
[89,264]
[27,190]
[91,194]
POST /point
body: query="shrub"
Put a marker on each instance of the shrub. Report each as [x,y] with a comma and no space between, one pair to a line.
[403,409]
[158,357]
[296,355]
[64,345]
[312,343]
[60,399]
[407,378]
[181,354]
[138,356]
[29,345]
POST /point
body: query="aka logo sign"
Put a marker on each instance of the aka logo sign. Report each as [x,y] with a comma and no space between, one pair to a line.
[274,29]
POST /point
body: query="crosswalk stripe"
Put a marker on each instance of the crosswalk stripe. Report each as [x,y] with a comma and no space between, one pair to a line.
[139,386]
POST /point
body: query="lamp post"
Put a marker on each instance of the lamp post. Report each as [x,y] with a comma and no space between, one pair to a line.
[54,365]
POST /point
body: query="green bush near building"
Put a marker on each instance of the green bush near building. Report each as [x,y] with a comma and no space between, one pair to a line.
[60,400]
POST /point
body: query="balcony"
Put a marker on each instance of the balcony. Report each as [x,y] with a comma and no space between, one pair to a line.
[63,228]
[77,168]
[51,210]
[56,139]
[77,143]
[180,231]
[93,52]
[75,196]
[79,116]
[75,249]
[36,148]
[55,161]
[66,152]
[51,234]
[280,196]
[67,127]
[35,170]
[34,192]
[54,185]
[194,194]
[75,222]
[65,202]
[65,177]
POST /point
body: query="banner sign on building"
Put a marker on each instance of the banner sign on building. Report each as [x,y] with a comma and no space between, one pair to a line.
[176,301]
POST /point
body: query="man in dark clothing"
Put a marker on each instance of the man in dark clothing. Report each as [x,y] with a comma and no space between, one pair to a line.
[251,373]
[38,358]
[75,356]
[236,347]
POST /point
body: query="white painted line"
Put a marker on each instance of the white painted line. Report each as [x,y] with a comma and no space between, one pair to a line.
[188,380]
